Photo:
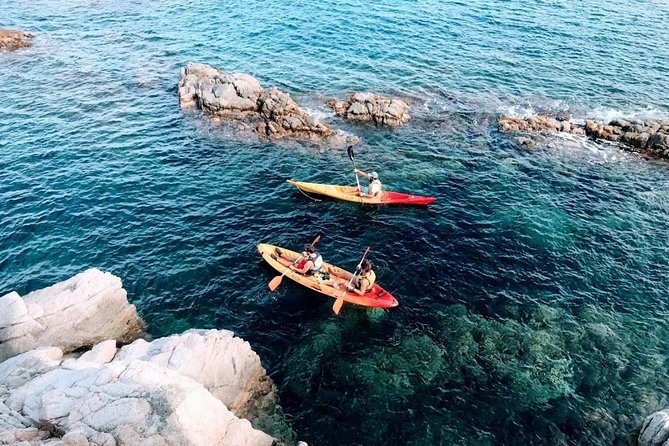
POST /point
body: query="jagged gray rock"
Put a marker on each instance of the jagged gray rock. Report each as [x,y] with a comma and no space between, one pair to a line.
[650,138]
[282,117]
[239,97]
[369,107]
[81,311]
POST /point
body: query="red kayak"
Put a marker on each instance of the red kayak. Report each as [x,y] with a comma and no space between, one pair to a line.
[350,193]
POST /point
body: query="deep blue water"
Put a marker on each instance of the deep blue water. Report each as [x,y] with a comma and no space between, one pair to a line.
[533,294]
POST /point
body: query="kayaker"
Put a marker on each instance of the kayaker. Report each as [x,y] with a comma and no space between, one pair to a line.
[374,188]
[310,262]
[361,283]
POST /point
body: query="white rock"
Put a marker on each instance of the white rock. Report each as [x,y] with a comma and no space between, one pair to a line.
[224,364]
[22,368]
[83,310]
[173,390]
[655,429]
[135,403]
[100,353]
[74,439]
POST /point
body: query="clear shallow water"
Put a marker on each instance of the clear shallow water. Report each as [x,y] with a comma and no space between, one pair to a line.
[533,294]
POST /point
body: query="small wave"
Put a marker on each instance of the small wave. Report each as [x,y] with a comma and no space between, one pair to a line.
[609,114]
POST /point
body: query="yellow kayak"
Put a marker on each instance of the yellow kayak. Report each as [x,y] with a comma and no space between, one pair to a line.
[376,297]
[350,193]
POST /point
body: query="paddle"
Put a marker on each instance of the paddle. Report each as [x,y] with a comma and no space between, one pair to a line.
[350,155]
[340,300]
[275,282]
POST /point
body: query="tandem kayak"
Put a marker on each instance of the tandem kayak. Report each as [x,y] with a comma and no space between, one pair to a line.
[350,193]
[377,297]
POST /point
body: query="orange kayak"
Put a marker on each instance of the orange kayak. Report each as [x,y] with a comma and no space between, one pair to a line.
[350,193]
[377,297]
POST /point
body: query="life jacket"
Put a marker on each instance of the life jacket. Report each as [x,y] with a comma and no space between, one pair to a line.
[317,260]
[371,278]
[374,187]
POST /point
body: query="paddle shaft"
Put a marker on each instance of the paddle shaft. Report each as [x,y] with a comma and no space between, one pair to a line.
[340,300]
[358,268]
[350,155]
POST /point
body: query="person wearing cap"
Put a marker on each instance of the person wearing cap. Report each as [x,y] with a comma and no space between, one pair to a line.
[310,262]
[374,188]
[361,283]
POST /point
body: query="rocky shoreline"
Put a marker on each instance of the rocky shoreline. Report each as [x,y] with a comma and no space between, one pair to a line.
[75,370]
[648,138]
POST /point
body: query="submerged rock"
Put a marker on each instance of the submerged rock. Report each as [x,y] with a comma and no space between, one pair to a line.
[650,138]
[12,40]
[368,107]
[203,387]
[239,98]
[81,311]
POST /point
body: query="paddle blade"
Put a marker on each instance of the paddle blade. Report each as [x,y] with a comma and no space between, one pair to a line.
[274,283]
[350,153]
[337,305]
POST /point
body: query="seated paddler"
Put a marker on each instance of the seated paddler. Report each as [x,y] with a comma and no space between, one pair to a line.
[308,263]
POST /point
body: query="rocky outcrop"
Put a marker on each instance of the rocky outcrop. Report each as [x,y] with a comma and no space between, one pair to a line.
[217,93]
[11,40]
[368,107]
[272,114]
[81,311]
[121,402]
[655,429]
[650,138]
[199,388]
[540,124]
[225,365]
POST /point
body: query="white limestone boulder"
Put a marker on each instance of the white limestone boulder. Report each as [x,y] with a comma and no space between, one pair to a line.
[86,309]
[127,403]
[196,388]
[223,364]
[655,429]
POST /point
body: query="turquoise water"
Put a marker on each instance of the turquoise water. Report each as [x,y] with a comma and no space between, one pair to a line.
[533,294]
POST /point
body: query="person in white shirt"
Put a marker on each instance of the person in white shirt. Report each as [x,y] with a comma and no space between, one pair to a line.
[374,188]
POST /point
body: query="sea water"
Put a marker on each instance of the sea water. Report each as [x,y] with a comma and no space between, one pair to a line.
[533,293]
